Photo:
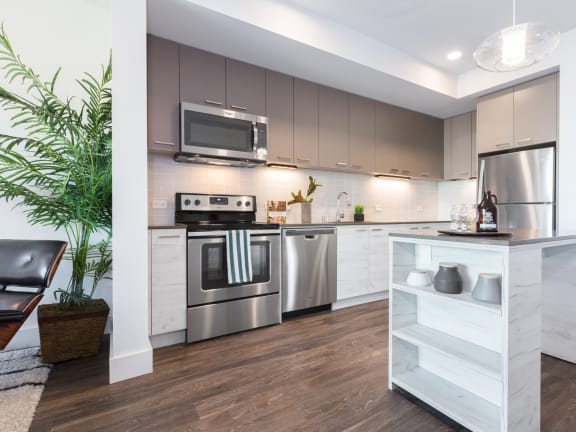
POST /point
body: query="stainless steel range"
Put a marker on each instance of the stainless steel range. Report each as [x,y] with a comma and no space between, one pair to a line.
[215,306]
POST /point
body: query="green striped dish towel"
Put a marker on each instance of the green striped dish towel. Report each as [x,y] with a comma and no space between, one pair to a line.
[238,256]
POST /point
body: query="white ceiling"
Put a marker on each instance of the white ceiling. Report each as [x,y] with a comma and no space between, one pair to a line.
[392,51]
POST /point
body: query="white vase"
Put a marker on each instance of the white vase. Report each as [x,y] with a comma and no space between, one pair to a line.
[300,213]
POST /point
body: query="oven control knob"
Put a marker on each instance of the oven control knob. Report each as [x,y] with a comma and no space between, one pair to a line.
[238,203]
[197,202]
[247,203]
[187,202]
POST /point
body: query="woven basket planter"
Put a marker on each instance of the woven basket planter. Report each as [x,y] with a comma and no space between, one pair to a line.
[71,334]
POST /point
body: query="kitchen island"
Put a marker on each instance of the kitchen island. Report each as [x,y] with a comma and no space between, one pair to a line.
[476,362]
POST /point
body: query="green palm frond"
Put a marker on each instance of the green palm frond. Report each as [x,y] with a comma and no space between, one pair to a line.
[59,171]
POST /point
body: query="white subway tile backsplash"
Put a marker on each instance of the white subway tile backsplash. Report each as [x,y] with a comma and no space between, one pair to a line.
[399,200]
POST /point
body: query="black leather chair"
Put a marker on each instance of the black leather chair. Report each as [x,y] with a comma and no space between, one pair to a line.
[26,270]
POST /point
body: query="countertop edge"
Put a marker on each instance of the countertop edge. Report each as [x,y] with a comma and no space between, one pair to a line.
[519,238]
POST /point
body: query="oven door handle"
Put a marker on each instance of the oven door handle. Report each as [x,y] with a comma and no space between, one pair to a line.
[211,234]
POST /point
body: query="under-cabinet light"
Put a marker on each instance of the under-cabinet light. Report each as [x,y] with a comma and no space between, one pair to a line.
[282,165]
[395,176]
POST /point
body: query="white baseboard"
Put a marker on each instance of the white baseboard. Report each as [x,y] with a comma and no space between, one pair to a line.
[355,301]
[166,339]
[131,365]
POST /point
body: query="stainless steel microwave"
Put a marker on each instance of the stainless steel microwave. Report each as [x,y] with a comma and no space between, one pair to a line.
[221,137]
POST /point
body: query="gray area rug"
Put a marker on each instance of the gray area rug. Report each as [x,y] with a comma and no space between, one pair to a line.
[22,378]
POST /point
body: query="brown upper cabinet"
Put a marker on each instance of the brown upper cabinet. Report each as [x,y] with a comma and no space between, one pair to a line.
[460,157]
[280,108]
[333,129]
[163,95]
[305,123]
[362,136]
[213,80]
[517,117]
[408,143]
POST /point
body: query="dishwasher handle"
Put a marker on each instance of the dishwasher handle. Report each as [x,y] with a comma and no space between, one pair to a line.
[309,233]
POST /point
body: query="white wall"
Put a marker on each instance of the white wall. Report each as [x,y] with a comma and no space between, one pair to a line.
[130,349]
[567,133]
[385,200]
[76,36]
[455,192]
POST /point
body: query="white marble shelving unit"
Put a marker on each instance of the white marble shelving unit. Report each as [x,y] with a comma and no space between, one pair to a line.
[477,363]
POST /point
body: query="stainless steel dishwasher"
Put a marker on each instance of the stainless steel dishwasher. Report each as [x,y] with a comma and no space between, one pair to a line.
[308,267]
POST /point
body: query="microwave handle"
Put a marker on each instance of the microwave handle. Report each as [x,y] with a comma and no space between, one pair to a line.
[255,132]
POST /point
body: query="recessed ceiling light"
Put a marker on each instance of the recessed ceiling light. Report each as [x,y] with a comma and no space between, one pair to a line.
[454,55]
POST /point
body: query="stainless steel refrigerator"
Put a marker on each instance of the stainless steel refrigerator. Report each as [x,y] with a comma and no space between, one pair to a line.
[524,182]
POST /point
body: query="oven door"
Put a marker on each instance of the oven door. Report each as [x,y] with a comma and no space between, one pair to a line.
[208,271]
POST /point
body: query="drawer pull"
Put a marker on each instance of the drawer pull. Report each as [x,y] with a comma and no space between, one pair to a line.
[241,108]
[357,166]
[211,102]
[342,164]
[506,144]
[304,160]
[376,229]
[284,158]
[525,140]
[168,236]
[164,143]
[361,230]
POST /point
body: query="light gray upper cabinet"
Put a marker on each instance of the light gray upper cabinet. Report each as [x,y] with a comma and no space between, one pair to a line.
[474,169]
[163,95]
[496,121]
[459,147]
[333,129]
[305,123]
[245,87]
[408,143]
[521,116]
[362,136]
[202,77]
[280,109]
[536,111]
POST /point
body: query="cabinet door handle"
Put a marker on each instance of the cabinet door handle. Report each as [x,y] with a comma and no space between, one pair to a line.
[241,108]
[425,174]
[426,228]
[406,172]
[304,160]
[394,170]
[356,166]
[506,144]
[342,164]
[524,140]
[376,229]
[414,228]
[211,102]
[361,230]
[284,158]
[164,143]
[464,173]
[168,236]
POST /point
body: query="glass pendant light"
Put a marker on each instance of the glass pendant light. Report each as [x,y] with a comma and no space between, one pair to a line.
[516,47]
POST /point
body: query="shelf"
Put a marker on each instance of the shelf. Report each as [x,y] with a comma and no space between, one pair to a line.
[464,298]
[464,407]
[481,359]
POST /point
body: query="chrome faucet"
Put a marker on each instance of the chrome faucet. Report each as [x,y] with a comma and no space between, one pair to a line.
[339,209]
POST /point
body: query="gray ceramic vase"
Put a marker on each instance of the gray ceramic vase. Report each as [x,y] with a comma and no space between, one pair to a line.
[488,288]
[448,279]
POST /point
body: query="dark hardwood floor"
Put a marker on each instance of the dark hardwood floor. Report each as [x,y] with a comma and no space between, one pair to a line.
[326,372]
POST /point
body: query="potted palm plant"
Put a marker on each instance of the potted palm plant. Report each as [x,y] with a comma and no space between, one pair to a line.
[59,170]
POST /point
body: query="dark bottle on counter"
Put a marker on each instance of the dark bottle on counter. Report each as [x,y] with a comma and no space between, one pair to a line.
[487,213]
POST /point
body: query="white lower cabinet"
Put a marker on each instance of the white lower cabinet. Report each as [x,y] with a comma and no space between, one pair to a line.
[363,259]
[167,280]
[352,261]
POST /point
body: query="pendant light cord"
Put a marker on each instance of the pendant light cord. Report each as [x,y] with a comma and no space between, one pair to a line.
[513,13]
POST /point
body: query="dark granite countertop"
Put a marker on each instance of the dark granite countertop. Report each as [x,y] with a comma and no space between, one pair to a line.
[517,237]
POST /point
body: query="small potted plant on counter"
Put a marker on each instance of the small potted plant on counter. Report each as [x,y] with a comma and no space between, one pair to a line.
[358,213]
